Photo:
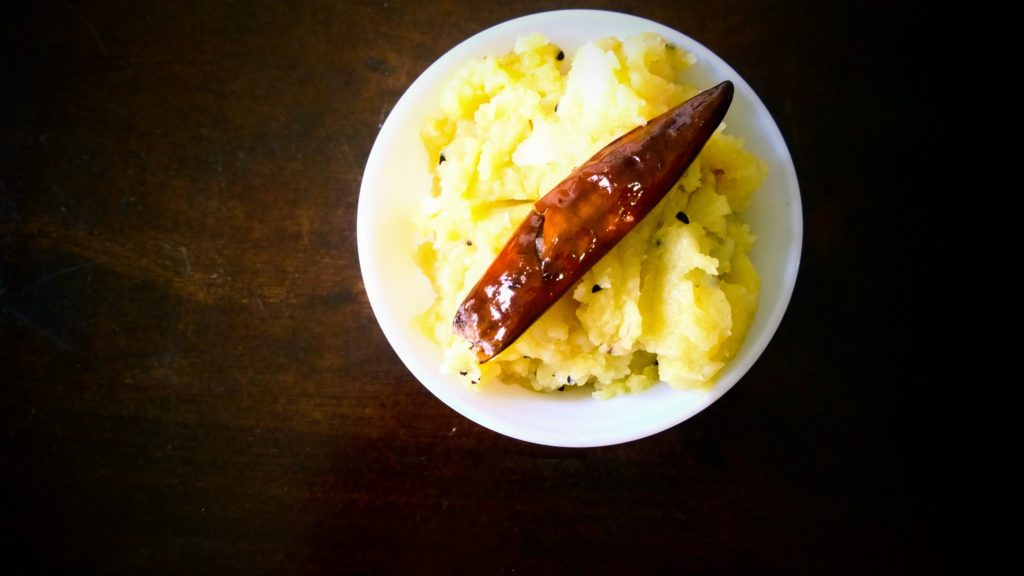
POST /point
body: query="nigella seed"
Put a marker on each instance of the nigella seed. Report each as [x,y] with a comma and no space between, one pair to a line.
[469,242]
[682,217]
[475,381]
[561,388]
[569,380]
[463,373]
[597,288]
[442,159]
[556,107]
[561,56]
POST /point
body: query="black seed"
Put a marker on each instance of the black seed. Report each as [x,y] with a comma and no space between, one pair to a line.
[569,380]
[561,56]
[463,372]
[556,107]
[597,288]
[469,242]
[657,242]
[655,362]
[682,217]
[561,388]
[442,159]
[477,381]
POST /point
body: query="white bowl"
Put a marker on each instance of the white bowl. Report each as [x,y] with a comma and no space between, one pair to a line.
[397,178]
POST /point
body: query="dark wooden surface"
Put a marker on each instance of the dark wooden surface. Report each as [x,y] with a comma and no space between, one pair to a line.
[193,381]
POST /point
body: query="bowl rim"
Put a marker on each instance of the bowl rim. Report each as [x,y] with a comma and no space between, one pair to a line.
[371,269]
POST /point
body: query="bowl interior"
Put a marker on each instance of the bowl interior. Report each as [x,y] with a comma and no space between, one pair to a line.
[396,178]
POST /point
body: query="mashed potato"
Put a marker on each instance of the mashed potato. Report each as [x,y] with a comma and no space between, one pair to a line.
[672,301]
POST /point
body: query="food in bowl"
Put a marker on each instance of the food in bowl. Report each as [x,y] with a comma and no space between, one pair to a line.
[672,301]
[571,227]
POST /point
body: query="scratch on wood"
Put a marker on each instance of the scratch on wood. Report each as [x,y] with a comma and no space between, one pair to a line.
[63,345]
[383,114]
[180,251]
[58,273]
[92,29]
[188,265]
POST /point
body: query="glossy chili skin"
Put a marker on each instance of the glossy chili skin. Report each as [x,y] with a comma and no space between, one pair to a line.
[582,218]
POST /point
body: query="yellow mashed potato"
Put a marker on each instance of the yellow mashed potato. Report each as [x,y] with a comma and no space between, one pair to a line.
[672,301]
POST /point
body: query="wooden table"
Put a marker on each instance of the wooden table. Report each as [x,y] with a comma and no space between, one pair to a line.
[193,380]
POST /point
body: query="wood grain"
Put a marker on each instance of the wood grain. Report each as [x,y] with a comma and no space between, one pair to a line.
[193,381]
